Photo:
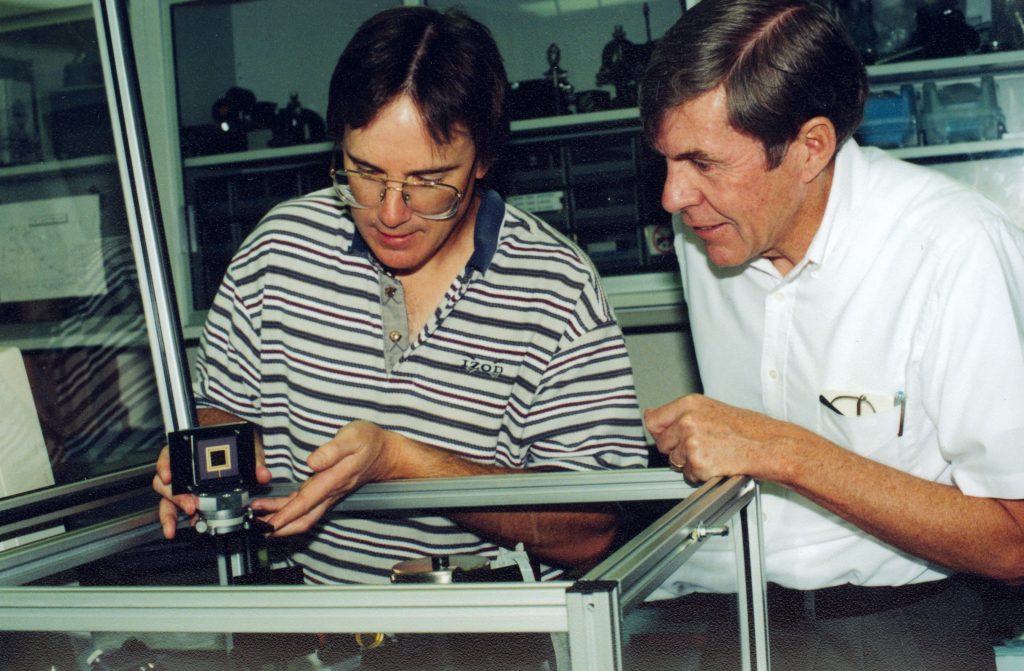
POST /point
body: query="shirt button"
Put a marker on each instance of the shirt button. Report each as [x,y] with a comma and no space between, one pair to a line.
[779,296]
[395,336]
[773,374]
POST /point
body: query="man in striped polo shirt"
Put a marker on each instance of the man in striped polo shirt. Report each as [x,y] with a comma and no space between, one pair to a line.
[406,323]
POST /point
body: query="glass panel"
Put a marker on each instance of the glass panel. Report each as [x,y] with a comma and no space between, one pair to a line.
[699,630]
[595,66]
[76,375]
[137,605]
[203,651]
[243,62]
[251,117]
[888,31]
[599,184]
[228,200]
[963,116]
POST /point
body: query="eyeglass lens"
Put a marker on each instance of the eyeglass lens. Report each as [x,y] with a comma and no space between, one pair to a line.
[422,198]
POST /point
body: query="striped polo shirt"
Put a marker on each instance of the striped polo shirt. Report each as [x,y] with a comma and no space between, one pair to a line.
[522,365]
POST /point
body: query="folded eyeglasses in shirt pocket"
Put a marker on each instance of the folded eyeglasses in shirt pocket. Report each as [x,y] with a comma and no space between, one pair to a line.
[853,404]
[863,422]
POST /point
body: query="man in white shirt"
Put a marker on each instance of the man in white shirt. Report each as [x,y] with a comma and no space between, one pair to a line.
[858,326]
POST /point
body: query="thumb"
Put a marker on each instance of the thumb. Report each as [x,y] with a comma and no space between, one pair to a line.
[325,456]
[657,419]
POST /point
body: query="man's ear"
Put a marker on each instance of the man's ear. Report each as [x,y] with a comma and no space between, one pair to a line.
[817,142]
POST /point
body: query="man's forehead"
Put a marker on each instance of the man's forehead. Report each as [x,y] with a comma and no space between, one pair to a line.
[692,119]
[688,131]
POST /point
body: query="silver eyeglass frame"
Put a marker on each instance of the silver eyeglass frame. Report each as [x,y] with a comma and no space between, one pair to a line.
[344,193]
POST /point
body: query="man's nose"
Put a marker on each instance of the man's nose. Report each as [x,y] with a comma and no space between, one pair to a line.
[679,191]
[393,208]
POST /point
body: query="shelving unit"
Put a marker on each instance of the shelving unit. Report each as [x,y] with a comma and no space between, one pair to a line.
[999,62]
[627,267]
[949,109]
[43,168]
[71,300]
[227,198]
[562,194]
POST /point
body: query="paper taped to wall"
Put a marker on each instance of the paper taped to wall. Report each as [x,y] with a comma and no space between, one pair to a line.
[50,249]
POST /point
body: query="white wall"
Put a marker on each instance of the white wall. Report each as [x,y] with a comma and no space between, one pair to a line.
[663,366]
[273,48]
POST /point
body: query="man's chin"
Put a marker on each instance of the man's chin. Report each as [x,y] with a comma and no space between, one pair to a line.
[725,258]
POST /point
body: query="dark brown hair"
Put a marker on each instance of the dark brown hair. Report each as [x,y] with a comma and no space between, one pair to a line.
[446,62]
[781,62]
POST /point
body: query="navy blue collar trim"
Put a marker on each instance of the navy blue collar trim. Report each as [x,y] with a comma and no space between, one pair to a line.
[488,227]
[358,246]
[485,236]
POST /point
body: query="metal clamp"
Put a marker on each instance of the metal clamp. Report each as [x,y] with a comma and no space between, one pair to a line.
[702,532]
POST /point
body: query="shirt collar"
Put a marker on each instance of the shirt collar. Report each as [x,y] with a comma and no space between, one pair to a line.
[488,227]
[485,234]
[839,199]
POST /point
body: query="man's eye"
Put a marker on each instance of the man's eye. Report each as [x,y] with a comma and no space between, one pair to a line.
[701,166]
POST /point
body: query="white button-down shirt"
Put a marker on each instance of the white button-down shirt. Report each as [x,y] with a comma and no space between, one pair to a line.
[912,288]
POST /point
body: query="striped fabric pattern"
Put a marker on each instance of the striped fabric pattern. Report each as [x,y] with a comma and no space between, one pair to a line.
[522,365]
[100,411]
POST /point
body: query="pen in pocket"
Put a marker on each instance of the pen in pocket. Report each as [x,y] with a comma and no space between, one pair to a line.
[828,404]
[901,400]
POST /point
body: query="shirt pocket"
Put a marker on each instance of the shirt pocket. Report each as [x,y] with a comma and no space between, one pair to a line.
[874,436]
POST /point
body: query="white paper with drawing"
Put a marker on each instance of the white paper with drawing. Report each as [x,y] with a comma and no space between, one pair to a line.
[52,249]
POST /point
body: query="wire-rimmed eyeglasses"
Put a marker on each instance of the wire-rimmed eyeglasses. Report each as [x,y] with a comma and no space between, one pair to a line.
[862,406]
[428,199]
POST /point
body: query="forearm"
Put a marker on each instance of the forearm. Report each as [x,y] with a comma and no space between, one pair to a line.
[933,521]
[212,416]
[565,535]
[577,538]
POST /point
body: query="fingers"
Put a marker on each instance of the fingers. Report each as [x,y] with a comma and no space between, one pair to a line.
[340,465]
[677,460]
[161,487]
[262,472]
[168,513]
[302,523]
[661,419]
[305,506]
[670,427]
[168,510]
[170,505]
[271,505]
[361,444]
[329,454]
[288,518]
[658,419]
[163,466]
